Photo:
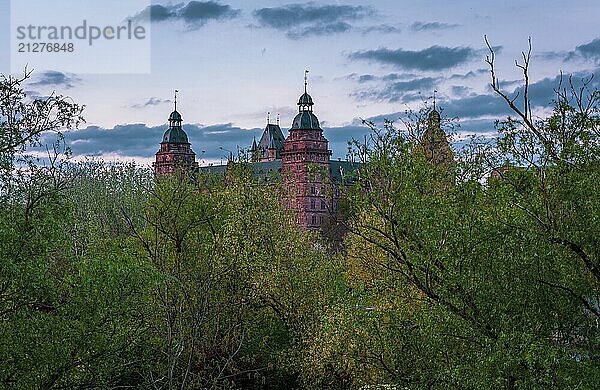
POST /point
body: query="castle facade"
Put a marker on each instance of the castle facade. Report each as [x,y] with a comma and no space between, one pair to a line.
[313,181]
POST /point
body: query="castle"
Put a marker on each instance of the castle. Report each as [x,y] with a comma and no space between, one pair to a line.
[302,160]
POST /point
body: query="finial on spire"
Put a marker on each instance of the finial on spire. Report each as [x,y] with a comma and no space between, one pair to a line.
[176,99]
[277,119]
[434,92]
[305,80]
[268,118]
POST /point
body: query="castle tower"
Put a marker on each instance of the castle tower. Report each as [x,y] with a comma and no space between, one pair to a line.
[175,150]
[306,166]
[270,145]
[434,143]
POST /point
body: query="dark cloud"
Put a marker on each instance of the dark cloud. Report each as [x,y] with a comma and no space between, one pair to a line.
[303,20]
[382,28]
[364,78]
[586,51]
[209,142]
[399,91]
[319,29]
[203,11]
[476,106]
[541,94]
[340,136]
[434,58]
[470,74]
[156,13]
[55,79]
[194,13]
[473,108]
[282,18]
[431,26]
[590,50]
[398,76]
[97,141]
[153,101]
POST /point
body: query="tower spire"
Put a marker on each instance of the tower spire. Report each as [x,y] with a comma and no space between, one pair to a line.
[268,118]
[434,92]
[305,80]
[176,99]
[277,119]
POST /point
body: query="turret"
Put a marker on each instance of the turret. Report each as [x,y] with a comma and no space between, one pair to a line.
[175,149]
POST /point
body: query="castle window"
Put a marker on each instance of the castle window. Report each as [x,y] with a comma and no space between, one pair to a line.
[322,205]
[313,190]
[314,219]
[312,204]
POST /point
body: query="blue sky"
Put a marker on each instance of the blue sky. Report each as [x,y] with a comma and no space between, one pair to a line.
[233,61]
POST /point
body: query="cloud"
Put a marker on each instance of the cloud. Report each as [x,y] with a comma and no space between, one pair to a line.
[460,90]
[320,29]
[381,28]
[203,11]
[482,105]
[434,58]
[156,13]
[56,79]
[339,137]
[210,143]
[153,101]
[303,20]
[481,108]
[470,74]
[554,55]
[431,26]
[541,94]
[364,78]
[195,13]
[586,51]
[399,91]
[590,50]
[282,18]
[140,140]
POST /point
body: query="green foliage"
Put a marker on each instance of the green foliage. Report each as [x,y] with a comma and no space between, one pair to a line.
[483,273]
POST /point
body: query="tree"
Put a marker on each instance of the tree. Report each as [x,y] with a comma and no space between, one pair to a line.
[483,283]
[72,301]
[23,120]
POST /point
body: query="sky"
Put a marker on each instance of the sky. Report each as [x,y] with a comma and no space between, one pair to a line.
[235,60]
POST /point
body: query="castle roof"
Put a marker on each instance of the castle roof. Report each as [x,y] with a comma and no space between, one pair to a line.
[306,120]
[175,116]
[305,99]
[272,138]
[175,134]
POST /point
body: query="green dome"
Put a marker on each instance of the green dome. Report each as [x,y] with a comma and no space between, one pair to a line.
[305,100]
[175,135]
[306,120]
[434,115]
[175,116]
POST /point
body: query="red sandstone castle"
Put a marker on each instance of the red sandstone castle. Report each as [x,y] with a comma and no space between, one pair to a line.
[302,160]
